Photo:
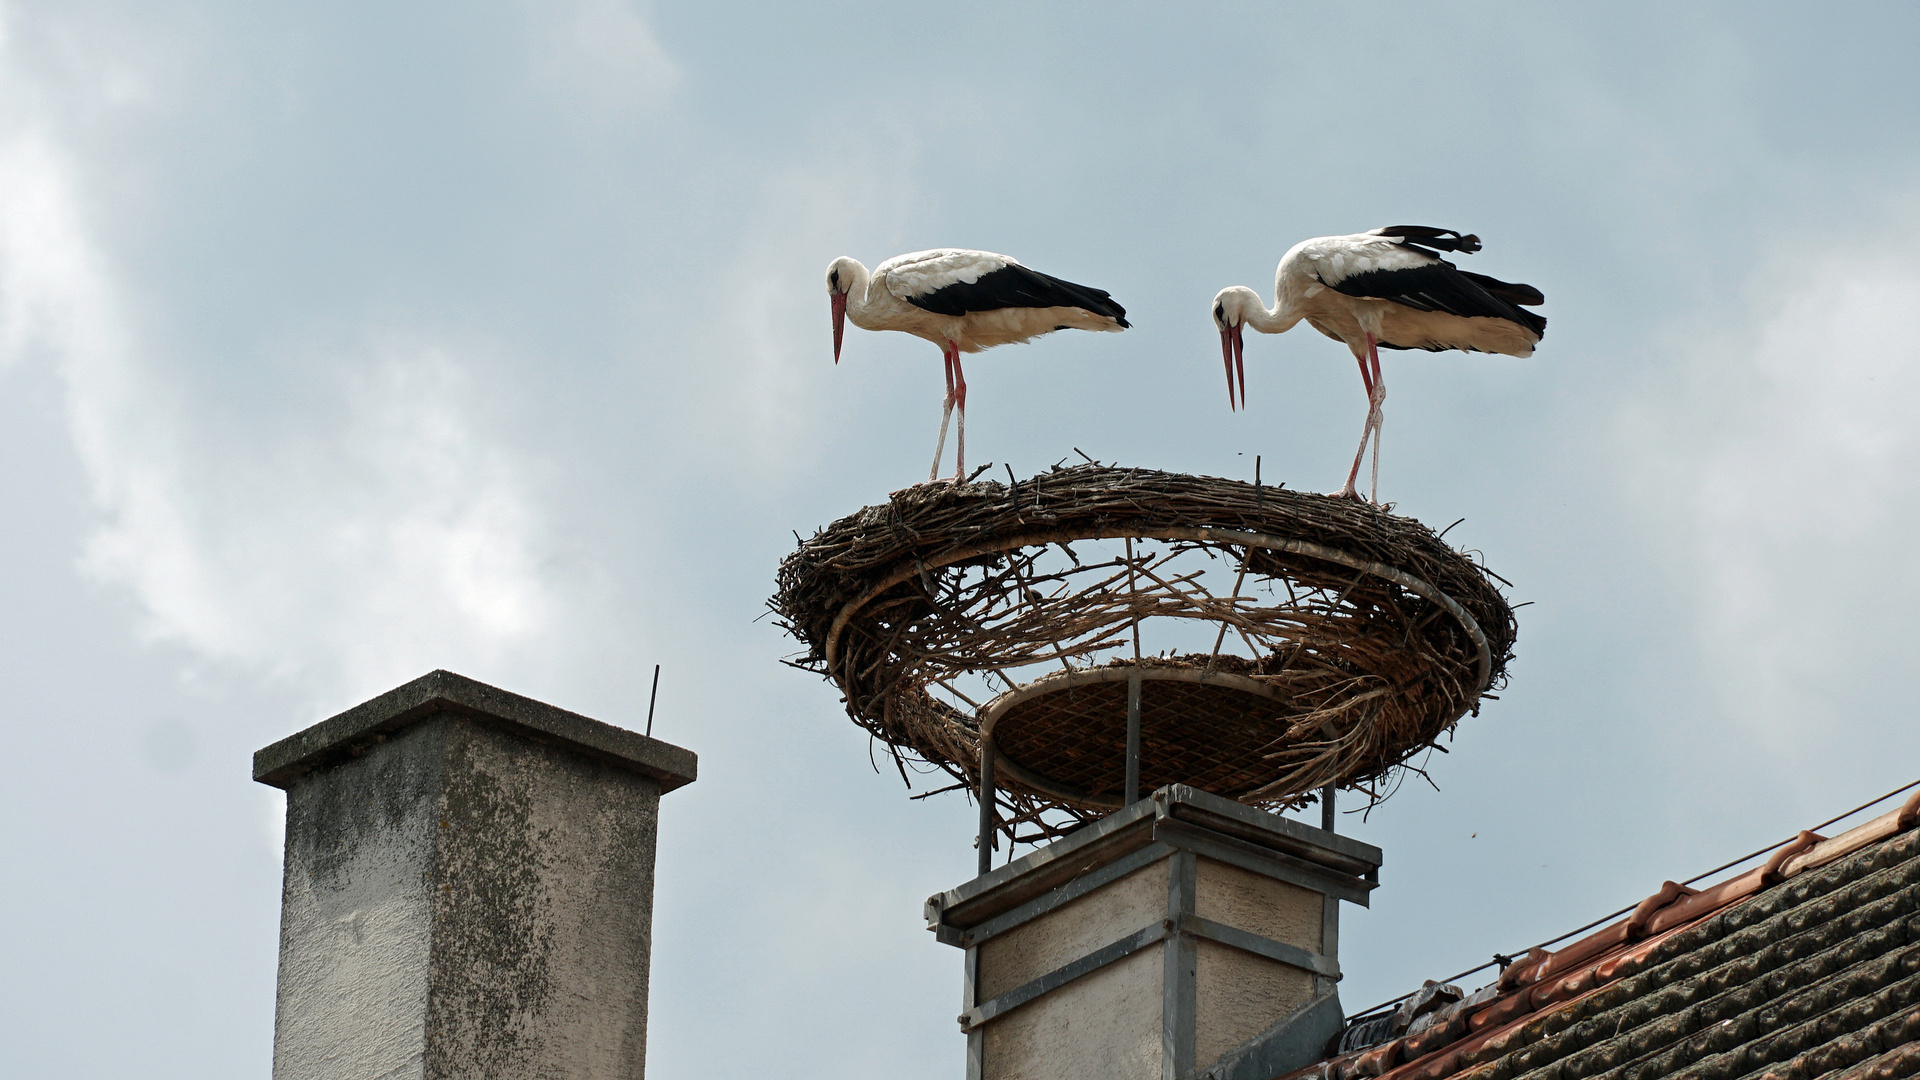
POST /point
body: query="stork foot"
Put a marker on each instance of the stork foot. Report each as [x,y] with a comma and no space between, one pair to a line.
[1347,492]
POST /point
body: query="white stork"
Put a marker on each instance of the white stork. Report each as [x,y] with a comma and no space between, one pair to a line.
[962,301]
[1388,287]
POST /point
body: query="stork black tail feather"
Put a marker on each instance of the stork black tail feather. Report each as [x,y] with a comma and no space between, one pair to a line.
[1098,301]
[1510,291]
[1428,236]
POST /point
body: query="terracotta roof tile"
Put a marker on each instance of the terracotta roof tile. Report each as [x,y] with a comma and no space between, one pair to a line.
[1900,1061]
[1805,969]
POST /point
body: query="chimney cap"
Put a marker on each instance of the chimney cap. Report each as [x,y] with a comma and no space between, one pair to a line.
[351,733]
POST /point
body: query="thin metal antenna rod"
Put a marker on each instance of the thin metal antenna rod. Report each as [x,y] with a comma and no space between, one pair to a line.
[1133,737]
[651,698]
[987,814]
[1327,820]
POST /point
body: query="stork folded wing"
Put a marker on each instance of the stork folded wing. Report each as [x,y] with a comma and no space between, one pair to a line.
[1015,286]
[1440,286]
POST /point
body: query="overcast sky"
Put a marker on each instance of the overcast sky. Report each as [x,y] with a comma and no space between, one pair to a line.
[344,341]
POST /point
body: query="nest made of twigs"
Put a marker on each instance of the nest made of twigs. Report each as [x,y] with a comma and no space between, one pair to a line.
[1366,637]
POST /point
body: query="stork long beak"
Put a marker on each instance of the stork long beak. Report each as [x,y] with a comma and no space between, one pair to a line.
[1233,352]
[1240,360]
[839,301]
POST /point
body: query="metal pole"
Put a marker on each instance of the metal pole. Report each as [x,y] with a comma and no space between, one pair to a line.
[1326,809]
[987,815]
[651,698]
[1133,737]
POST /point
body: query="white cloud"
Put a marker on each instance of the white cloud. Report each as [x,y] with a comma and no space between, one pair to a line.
[50,287]
[763,312]
[1781,466]
[366,531]
[602,56]
[398,540]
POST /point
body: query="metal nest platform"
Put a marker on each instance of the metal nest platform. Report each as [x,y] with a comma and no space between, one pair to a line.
[1246,640]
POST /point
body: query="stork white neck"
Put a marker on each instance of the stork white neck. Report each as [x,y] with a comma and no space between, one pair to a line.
[1241,305]
[851,278]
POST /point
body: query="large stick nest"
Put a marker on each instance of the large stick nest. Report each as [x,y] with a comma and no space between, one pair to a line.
[1368,636]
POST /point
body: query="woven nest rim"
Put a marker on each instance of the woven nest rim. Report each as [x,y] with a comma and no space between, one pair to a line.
[864,567]
[1277,544]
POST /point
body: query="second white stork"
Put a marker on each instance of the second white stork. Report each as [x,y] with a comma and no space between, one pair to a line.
[963,301]
[1387,288]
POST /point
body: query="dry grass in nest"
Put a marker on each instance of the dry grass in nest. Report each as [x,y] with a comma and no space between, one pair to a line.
[1374,636]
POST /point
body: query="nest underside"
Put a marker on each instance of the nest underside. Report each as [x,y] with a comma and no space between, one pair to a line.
[895,601]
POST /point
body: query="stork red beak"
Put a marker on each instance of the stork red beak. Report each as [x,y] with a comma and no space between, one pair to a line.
[1240,361]
[1233,351]
[839,301]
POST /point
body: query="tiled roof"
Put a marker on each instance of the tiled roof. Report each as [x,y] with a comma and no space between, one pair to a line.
[1805,968]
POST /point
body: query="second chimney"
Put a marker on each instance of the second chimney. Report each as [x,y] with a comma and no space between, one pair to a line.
[468,890]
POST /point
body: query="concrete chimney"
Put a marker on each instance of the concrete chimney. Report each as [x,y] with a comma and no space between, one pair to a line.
[468,888]
[1186,936]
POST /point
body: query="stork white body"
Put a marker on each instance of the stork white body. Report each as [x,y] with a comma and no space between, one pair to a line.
[963,301]
[1387,287]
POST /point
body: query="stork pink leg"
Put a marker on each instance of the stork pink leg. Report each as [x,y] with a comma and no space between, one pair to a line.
[1366,432]
[1376,397]
[946,413]
[960,399]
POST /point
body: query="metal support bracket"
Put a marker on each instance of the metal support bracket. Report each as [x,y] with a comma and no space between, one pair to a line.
[1133,737]
[988,822]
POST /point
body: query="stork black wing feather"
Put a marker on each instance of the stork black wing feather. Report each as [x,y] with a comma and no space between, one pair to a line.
[1427,235]
[1511,291]
[1016,286]
[1440,286]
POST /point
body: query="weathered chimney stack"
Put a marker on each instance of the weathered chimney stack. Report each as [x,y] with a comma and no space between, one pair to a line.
[468,888]
[1185,936]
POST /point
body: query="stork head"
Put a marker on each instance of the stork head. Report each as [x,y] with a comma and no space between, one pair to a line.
[1230,312]
[842,275]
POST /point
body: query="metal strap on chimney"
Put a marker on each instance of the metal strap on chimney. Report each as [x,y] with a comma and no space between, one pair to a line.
[1188,925]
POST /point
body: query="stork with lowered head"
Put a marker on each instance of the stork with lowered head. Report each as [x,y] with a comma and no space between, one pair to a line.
[1386,288]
